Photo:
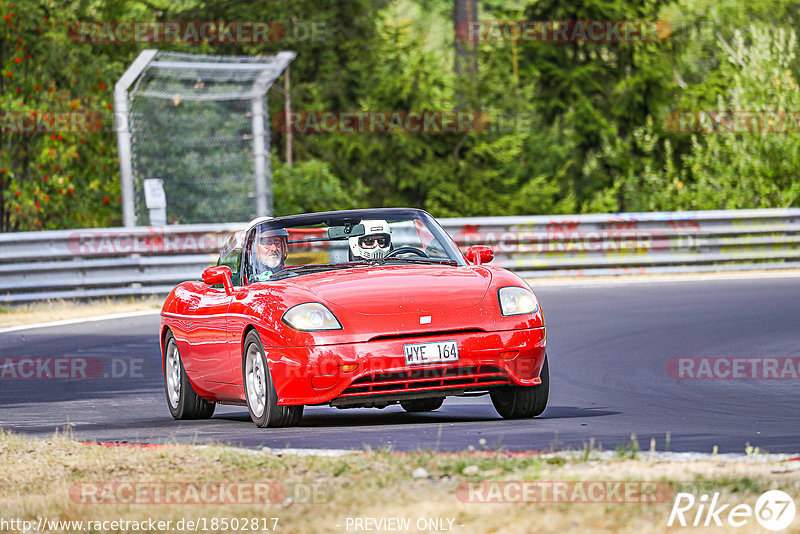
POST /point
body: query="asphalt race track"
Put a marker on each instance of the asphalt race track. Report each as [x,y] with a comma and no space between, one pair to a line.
[608,347]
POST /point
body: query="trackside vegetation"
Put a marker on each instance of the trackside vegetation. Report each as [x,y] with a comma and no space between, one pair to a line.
[61,479]
[573,127]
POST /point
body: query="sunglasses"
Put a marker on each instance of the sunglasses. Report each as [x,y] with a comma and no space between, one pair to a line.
[369,242]
[273,243]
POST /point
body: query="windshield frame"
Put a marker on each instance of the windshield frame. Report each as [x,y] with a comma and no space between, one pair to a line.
[334,218]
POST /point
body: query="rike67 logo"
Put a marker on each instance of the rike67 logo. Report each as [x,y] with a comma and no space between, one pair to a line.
[774,510]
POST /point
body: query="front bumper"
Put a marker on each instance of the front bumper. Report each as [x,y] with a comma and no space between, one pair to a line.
[314,374]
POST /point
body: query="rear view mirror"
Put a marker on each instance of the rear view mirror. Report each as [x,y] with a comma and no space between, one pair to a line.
[479,254]
[342,232]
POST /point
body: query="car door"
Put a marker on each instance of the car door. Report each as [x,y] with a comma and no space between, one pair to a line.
[238,316]
[208,337]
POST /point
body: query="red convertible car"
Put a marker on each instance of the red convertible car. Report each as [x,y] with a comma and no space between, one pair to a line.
[359,308]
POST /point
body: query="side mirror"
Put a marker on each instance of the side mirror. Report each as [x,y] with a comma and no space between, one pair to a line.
[479,254]
[219,274]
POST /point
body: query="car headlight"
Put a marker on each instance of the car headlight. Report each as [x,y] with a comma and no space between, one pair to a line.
[517,301]
[311,316]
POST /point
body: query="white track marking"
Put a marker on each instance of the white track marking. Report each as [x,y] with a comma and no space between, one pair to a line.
[79,321]
[586,281]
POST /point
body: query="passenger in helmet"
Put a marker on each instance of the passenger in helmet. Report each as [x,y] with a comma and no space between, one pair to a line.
[374,244]
[269,253]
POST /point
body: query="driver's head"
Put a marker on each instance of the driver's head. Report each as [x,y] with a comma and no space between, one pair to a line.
[271,248]
[374,244]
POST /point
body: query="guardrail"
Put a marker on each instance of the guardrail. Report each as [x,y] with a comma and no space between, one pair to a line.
[142,261]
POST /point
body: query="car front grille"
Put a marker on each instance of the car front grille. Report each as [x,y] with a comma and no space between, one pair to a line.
[429,378]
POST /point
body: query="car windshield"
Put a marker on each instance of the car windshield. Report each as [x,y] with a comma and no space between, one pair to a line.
[293,246]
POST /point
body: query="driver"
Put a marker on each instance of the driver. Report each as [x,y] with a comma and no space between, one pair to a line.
[374,244]
[270,251]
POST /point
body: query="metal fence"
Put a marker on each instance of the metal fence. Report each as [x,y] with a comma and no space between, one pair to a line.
[196,123]
[142,261]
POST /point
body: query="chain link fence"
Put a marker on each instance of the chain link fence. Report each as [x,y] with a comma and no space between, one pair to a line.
[199,123]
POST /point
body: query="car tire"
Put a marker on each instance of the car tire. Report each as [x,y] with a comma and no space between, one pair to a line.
[182,400]
[522,402]
[422,405]
[262,400]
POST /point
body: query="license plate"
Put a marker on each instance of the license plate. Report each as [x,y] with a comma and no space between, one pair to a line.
[442,351]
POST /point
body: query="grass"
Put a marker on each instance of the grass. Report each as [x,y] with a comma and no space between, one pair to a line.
[38,474]
[59,310]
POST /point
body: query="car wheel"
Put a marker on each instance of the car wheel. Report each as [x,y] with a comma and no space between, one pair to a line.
[182,400]
[521,402]
[262,400]
[422,405]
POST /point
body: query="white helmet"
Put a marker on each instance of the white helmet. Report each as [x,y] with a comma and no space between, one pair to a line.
[374,244]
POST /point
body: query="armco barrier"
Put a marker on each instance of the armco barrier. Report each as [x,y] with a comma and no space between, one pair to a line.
[142,261]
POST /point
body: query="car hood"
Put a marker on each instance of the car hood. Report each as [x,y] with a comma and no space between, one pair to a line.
[400,289]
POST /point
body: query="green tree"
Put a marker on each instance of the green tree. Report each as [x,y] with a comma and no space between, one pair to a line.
[57,176]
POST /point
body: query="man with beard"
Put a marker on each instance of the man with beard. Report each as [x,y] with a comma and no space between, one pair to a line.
[270,251]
